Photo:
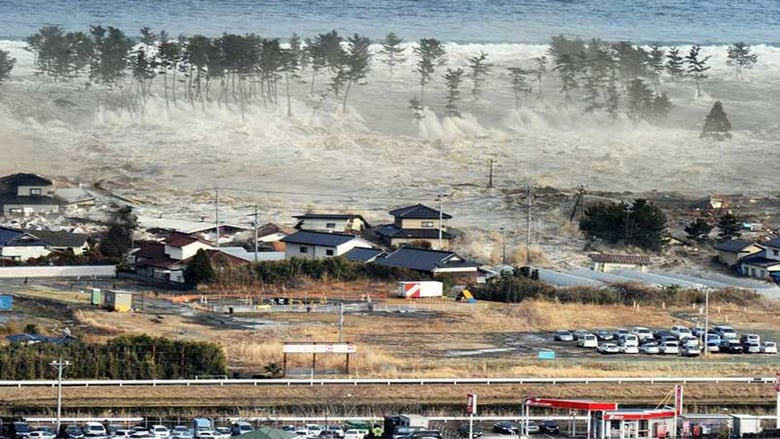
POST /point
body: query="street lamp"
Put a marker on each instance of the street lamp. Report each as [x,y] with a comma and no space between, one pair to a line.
[59,365]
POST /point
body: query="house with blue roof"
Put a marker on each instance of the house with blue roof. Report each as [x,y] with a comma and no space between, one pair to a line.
[318,245]
[431,262]
[416,224]
[764,265]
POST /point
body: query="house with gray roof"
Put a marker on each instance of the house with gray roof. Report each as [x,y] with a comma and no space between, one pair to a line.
[432,262]
[765,264]
[25,194]
[18,245]
[332,222]
[613,262]
[364,255]
[415,224]
[733,251]
[319,245]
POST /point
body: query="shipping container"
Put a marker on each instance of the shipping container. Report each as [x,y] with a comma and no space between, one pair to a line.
[419,289]
[120,301]
[96,297]
[6,303]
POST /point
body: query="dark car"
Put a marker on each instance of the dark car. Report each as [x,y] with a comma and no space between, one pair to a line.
[506,427]
[71,431]
[19,430]
[463,431]
[425,434]
[731,346]
[604,335]
[549,427]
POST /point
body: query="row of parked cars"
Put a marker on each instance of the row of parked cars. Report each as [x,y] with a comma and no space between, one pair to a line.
[679,340]
[96,430]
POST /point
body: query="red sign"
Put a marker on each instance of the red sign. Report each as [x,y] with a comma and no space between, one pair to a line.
[471,403]
[678,399]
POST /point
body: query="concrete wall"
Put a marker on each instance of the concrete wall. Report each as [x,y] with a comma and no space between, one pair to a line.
[64,271]
[22,253]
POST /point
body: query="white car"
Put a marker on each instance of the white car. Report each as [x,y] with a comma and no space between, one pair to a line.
[629,349]
[725,331]
[122,433]
[353,434]
[650,348]
[222,432]
[181,432]
[40,434]
[608,348]
[670,347]
[313,430]
[588,341]
[642,333]
[160,431]
[680,331]
[336,430]
[689,342]
[769,347]
[629,340]
[142,434]
[690,351]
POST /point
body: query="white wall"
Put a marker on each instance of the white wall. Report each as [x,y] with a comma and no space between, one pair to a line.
[63,271]
[347,246]
[188,251]
[23,253]
[293,250]
[24,191]
[340,225]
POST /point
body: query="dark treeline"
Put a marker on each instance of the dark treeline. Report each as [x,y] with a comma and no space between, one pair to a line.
[295,270]
[619,79]
[517,288]
[127,357]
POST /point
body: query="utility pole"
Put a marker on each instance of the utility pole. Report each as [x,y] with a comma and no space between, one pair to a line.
[503,245]
[216,216]
[706,320]
[490,175]
[59,365]
[255,223]
[341,322]
[441,217]
[529,196]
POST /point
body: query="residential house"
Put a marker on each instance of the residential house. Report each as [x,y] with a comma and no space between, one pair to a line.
[21,245]
[18,245]
[62,241]
[416,224]
[164,227]
[318,245]
[364,255]
[431,262]
[25,194]
[269,237]
[331,222]
[763,265]
[168,260]
[605,263]
[732,252]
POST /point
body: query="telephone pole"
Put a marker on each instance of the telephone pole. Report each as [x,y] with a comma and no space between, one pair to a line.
[59,365]
[440,198]
[529,196]
[255,223]
[216,216]
[490,175]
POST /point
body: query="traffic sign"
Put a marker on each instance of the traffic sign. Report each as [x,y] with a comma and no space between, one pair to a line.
[471,403]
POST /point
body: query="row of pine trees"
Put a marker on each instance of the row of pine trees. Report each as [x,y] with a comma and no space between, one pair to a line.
[616,78]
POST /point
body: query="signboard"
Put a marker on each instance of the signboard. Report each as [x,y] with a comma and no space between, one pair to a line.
[546,355]
[777,381]
[6,303]
[686,430]
[471,403]
[319,348]
[678,399]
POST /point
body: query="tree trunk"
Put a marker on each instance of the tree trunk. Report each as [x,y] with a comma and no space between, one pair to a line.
[173,85]
[313,78]
[346,95]
[165,88]
[287,91]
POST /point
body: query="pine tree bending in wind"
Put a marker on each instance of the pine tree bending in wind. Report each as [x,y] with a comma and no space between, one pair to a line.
[356,64]
[518,79]
[431,55]
[391,52]
[541,69]
[697,67]
[675,64]
[716,124]
[741,57]
[452,80]
[479,69]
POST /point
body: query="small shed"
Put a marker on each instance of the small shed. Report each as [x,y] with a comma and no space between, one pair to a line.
[96,297]
[605,263]
[746,425]
[118,300]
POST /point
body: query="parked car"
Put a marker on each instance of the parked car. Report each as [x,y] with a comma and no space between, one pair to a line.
[725,331]
[41,434]
[124,433]
[697,331]
[751,348]
[628,349]
[240,427]
[621,332]
[608,348]
[629,340]
[563,335]
[463,431]
[426,434]
[670,348]
[313,430]
[146,434]
[402,432]
[336,430]
[507,427]
[19,430]
[94,429]
[353,433]
[750,338]
[730,346]
[222,432]
[642,333]
[160,431]
[680,331]
[649,348]
[664,336]
[769,347]
[533,427]
[588,341]
[580,333]
[689,342]
[71,431]
[181,432]
[604,335]
[714,337]
[713,346]
[549,427]
[690,351]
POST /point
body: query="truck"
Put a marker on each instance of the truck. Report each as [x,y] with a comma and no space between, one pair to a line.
[422,288]
[201,425]
[402,425]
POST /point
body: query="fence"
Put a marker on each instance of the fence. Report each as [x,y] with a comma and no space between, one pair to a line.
[69,271]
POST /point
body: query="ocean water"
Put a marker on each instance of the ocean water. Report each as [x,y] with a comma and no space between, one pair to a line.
[709,22]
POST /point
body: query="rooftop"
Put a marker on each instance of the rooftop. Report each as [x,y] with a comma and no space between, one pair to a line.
[360,254]
[735,245]
[324,239]
[422,259]
[418,211]
[23,179]
[620,259]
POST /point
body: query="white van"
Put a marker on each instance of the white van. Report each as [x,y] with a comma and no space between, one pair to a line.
[588,341]
[642,332]
[629,340]
[680,331]
[725,331]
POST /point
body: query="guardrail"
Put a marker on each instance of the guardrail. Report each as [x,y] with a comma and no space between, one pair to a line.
[387,381]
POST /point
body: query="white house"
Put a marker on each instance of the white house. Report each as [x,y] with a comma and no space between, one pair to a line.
[18,245]
[331,222]
[605,263]
[318,245]
[764,265]
[179,246]
[24,194]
